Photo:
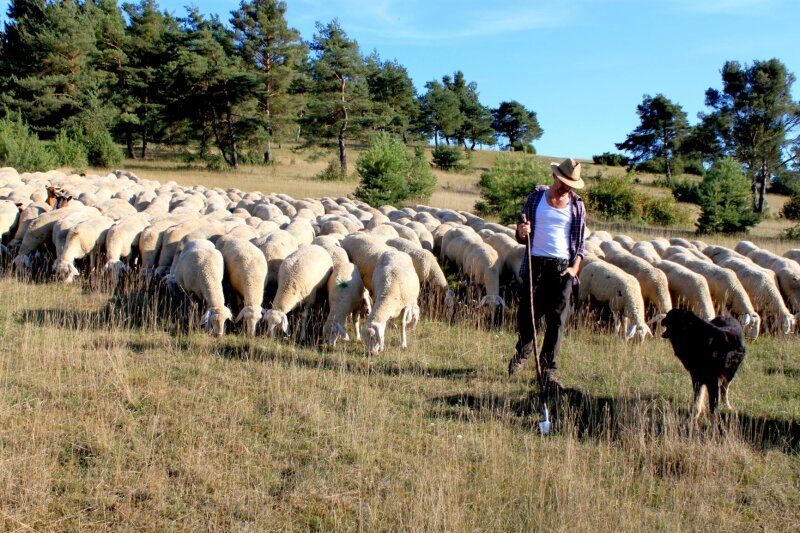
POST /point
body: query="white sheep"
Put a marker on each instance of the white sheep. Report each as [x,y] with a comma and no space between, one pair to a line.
[396,292]
[246,270]
[786,271]
[483,266]
[646,251]
[761,287]
[793,254]
[276,246]
[83,239]
[333,246]
[121,239]
[347,296]
[652,281]
[301,275]
[200,270]
[626,241]
[611,285]
[688,287]
[426,266]
[726,290]
[364,250]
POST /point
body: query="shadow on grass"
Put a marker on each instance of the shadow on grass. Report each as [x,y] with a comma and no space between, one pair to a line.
[600,417]
[341,362]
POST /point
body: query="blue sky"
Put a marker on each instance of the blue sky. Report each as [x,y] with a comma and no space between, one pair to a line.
[582,65]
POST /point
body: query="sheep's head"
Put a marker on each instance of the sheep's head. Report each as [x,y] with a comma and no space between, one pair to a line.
[276,321]
[638,331]
[250,315]
[334,330]
[115,267]
[215,318]
[23,261]
[374,336]
[751,325]
[65,271]
[449,298]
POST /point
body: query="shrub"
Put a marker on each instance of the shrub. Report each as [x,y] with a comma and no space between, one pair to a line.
[505,186]
[101,149]
[792,233]
[69,152]
[786,182]
[725,200]
[22,149]
[791,209]
[333,172]
[686,190]
[422,180]
[612,160]
[447,157]
[613,198]
[391,175]
[663,211]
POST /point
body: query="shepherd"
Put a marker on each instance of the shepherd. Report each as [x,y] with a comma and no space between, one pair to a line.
[552,225]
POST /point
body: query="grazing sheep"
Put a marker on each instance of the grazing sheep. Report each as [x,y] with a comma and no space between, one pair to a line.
[302,231]
[593,248]
[609,284]
[276,247]
[660,245]
[199,270]
[396,292]
[683,243]
[83,239]
[426,266]
[652,282]
[688,287]
[9,215]
[346,297]
[793,254]
[333,247]
[301,275]
[121,239]
[612,247]
[726,290]
[625,241]
[483,266]
[786,271]
[600,236]
[364,250]
[40,231]
[28,215]
[423,233]
[646,251]
[151,239]
[761,287]
[246,270]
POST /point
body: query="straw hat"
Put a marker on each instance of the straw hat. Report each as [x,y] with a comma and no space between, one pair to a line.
[569,172]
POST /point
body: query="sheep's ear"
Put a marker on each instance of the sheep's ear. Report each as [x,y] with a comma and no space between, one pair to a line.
[367,302]
[239,317]
[285,324]
[631,332]
[747,320]
[205,319]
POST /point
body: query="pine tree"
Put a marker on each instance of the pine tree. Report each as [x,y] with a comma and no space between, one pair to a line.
[725,200]
[338,103]
[394,95]
[267,44]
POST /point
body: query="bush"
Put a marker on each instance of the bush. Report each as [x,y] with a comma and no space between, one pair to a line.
[792,233]
[333,172]
[725,200]
[422,180]
[505,186]
[686,190]
[69,152]
[791,209]
[448,157]
[612,160]
[391,175]
[22,149]
[786,182]
[614,198]
[663,211]
[101,149]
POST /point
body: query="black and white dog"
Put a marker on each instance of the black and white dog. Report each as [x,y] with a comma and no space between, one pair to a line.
[710,351]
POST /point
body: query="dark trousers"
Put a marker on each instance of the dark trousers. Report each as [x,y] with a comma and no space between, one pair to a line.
[552,293]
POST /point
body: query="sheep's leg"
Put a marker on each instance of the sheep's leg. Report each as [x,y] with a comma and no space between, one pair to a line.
[357,322]
[304,322]
[403,337]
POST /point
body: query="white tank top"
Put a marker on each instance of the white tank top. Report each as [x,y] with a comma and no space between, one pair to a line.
[551,233]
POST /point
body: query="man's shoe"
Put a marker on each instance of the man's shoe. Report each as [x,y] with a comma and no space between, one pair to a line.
[551,383]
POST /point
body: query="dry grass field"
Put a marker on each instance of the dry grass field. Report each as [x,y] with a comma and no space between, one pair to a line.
[115,417]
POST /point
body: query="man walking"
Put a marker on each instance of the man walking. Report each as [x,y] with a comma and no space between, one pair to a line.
[555,219]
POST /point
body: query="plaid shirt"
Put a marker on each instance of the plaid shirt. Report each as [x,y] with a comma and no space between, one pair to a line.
[577,227]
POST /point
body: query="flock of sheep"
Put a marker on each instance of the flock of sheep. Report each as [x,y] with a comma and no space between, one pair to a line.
[238,251]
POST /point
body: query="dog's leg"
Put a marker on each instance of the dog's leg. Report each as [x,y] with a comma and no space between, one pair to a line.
[699,400]
[723,391]
[713,396]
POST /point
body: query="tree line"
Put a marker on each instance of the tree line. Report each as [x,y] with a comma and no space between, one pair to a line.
[752,119]
[135,75]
